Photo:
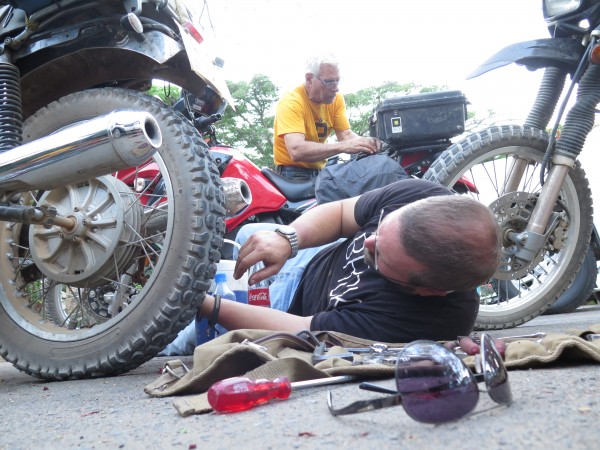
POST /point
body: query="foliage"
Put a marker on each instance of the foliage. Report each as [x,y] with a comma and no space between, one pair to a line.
[250,126]
[168,93]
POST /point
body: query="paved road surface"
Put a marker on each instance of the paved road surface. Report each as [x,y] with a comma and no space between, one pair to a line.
[555,408]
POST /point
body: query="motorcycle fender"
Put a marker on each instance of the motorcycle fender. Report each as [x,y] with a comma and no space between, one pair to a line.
[203,66]
[156,56]
[563,53]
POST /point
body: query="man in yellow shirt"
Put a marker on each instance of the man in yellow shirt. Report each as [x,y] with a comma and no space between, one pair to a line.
[305,118]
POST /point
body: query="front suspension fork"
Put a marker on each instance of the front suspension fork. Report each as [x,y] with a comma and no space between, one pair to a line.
[543,219]
[578,124]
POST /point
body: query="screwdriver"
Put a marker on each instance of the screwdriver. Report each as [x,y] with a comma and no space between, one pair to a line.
[241,393]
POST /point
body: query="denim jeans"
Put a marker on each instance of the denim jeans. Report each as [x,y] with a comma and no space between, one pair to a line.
[297,173]
[282,288]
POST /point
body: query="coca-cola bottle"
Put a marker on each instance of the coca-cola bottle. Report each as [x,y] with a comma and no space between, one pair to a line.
[258,294]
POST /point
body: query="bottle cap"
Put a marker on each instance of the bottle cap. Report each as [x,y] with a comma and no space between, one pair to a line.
[220,278]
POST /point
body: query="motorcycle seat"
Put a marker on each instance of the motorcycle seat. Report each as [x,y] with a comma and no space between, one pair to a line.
[294,190]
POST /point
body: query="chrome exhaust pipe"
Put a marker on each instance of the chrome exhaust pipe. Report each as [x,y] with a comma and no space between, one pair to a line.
[86,150]
[237,195]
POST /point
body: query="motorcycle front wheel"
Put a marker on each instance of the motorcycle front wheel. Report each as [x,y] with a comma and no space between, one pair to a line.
[515,296]
[107,301]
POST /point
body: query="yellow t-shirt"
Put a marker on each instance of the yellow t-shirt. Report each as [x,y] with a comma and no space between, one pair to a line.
[296,113]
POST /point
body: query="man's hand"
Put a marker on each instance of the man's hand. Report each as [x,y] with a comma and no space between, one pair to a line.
[266,246]
[369,145]
[301,150]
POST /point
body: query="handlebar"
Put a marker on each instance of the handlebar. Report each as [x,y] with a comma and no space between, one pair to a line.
[203,122]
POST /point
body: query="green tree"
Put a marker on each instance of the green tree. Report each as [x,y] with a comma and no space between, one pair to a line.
[168,93]
[250,126]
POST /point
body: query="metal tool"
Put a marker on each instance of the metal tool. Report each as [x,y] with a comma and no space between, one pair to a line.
[241,393]
[377,347]
[321,354]
[377,353]
[477,338]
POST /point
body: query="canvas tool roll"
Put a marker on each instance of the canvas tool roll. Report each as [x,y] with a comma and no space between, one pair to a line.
[262,354]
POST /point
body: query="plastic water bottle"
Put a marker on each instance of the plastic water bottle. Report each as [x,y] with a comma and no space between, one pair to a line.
[203,332]
[258,294]
[222,288]
[239,287]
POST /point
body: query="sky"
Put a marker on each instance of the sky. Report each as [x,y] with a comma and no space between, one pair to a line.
[428,42]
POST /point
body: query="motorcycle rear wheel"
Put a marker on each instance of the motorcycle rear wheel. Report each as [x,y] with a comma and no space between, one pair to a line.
[161,264]
[485,158]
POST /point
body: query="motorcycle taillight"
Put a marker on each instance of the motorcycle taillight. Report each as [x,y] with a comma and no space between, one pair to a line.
[194,32]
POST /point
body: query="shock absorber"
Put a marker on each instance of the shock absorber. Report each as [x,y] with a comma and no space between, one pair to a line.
[11,116]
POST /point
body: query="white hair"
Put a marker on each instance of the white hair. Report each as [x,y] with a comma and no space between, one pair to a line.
[314,63]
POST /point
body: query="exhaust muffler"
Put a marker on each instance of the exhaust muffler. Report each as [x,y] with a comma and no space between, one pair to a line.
[86,150]
[237,195]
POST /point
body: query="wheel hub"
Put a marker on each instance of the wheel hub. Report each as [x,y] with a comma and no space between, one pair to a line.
[107,218]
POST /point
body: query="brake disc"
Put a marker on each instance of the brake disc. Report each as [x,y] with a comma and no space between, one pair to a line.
[513,212]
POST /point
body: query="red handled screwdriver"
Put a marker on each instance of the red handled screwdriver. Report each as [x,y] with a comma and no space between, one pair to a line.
[241,393]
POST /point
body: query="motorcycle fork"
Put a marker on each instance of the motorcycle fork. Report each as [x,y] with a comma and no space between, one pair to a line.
[578,124]
[545,103]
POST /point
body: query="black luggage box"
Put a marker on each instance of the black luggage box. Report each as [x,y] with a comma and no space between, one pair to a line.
[420,117]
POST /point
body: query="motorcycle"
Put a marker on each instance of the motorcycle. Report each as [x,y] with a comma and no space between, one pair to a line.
[111,222]
[531,179]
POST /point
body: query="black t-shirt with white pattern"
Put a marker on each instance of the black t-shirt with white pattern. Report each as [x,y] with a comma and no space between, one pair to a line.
[344,294]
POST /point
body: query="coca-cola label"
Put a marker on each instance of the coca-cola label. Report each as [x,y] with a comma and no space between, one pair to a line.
[259,297]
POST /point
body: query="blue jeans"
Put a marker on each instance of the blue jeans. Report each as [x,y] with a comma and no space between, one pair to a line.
[297,173]
[282,287]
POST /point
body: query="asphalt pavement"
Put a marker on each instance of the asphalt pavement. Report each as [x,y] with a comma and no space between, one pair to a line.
[554,407]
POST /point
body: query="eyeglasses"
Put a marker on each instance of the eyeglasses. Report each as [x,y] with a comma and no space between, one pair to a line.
[328,83]
[434,385]
[404,284]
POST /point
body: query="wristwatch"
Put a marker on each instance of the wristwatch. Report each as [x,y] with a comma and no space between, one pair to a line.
[290,234]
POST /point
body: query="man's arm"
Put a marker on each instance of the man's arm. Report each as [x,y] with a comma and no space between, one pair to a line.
[345,135]
[234,315]
[301,150]
[320,225]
